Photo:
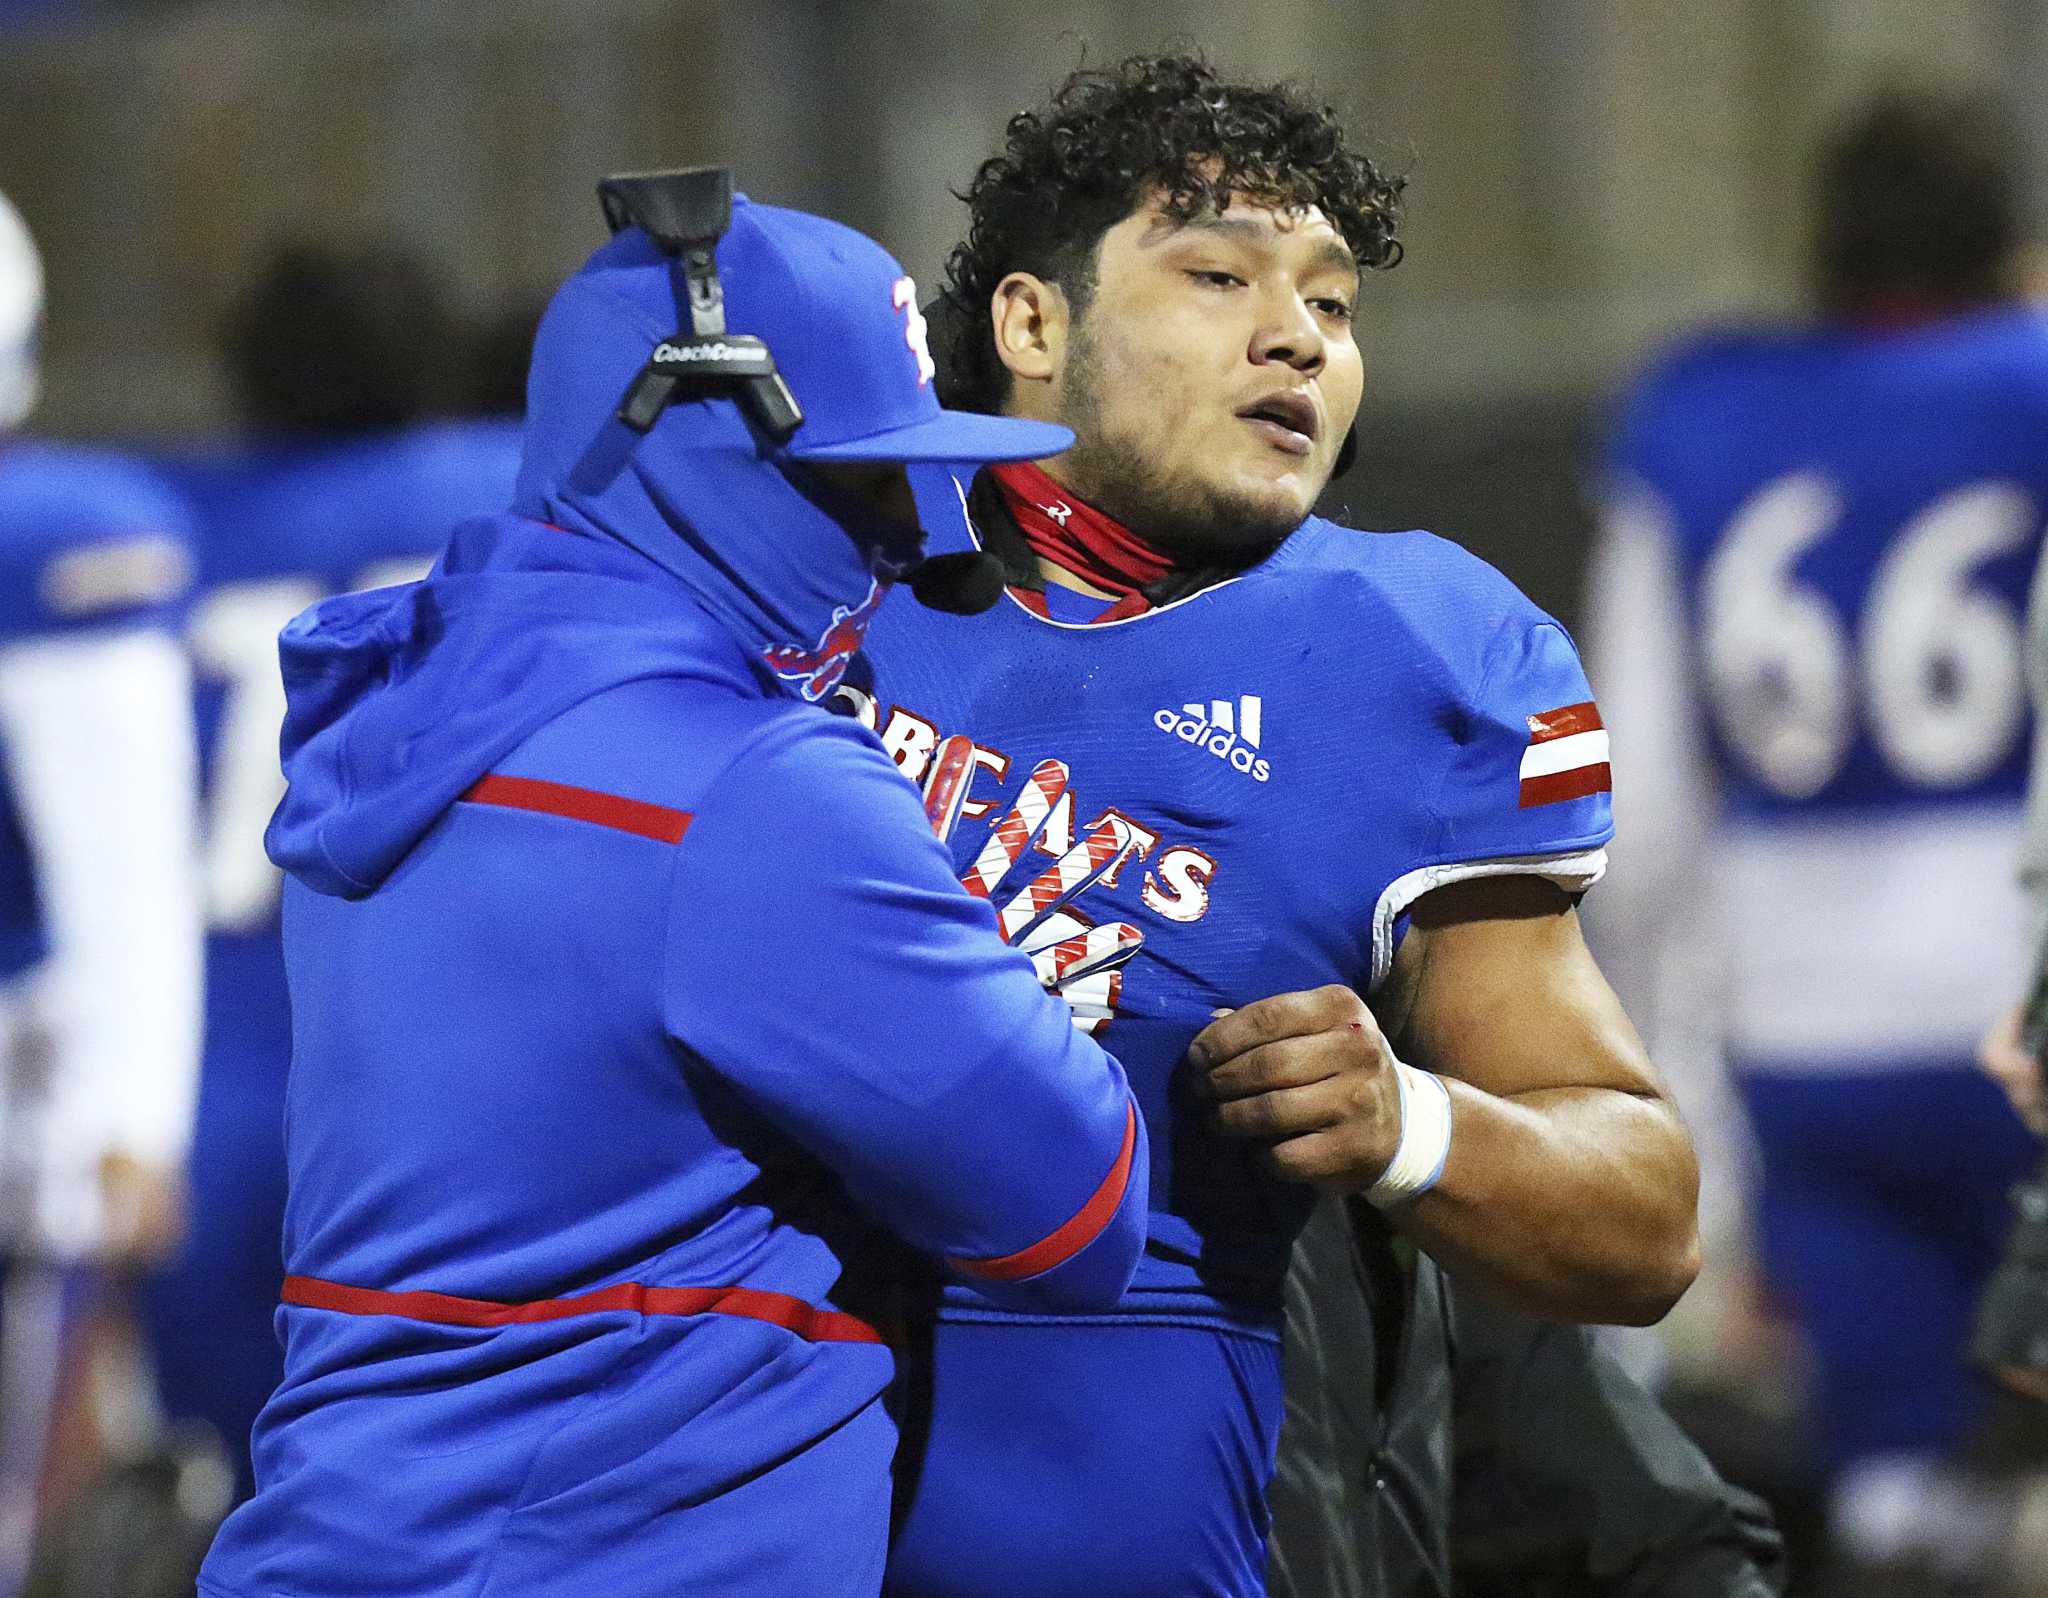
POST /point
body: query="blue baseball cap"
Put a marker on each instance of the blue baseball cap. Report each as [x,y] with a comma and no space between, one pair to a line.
[841,318]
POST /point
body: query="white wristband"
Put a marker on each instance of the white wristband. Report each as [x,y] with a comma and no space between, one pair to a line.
[1425,1138]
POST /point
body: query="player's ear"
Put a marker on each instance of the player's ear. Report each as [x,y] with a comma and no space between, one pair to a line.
[1029,319]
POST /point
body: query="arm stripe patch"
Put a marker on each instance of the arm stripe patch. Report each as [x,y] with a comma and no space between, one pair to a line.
[1082,1229]
[582,804]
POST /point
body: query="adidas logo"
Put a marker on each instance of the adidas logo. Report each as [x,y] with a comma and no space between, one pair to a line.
[1228,731]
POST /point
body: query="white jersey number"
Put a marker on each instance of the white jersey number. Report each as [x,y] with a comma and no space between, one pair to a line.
[1937,662]
[234,642]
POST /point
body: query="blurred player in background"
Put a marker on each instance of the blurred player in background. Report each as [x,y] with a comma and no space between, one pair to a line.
[1221,750]
[99,887]
[335,356]
[2001,1053]
[1806,628]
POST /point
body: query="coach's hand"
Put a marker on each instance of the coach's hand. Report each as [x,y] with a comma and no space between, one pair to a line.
[1309,1077]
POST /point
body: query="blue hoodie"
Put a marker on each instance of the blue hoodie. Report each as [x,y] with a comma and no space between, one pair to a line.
[638,1023]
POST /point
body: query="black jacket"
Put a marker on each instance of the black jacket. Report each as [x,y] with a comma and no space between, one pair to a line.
[1441,1446]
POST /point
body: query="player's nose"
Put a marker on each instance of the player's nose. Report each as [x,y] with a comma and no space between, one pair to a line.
[1288,333]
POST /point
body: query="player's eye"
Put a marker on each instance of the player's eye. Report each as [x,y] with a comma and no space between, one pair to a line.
[1336,310]
[1215,279]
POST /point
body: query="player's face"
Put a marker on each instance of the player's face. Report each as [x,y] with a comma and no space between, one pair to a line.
[1213,376]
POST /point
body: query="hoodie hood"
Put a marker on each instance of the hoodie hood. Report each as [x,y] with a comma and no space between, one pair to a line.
[400,698]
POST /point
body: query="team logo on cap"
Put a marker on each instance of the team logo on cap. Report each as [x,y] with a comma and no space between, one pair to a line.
[816,671]
[916,330]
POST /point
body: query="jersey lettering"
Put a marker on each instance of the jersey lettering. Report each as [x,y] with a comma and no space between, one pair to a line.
[1076,957]
[909,740]
[1179,888]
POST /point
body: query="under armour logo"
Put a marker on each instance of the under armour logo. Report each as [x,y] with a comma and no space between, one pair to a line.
[1059,512]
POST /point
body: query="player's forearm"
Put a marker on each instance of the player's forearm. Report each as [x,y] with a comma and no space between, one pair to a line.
[1572,1202]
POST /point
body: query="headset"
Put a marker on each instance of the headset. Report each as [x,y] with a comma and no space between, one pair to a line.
[686,213]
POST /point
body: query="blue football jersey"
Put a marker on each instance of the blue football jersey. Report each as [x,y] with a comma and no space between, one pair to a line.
[1238,794]
[1846,523]
[1252,784]
[88,540]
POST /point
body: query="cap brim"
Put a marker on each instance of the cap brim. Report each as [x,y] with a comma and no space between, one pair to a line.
[949,436]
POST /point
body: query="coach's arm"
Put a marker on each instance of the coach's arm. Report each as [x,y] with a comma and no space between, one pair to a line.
[1570,1184]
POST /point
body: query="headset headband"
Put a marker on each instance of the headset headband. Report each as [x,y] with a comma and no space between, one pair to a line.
[686,213]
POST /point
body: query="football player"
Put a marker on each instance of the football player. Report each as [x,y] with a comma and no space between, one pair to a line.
[1807,618]
[342,484]
[1210,748]
[99,886]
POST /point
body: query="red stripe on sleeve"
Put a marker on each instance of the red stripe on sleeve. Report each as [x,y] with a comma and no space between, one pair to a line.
[1564,721]
[582,804]
[445,1309]
[1082,1229]
[1562,785]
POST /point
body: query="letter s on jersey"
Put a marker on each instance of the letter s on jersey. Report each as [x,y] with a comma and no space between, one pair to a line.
[1179,888]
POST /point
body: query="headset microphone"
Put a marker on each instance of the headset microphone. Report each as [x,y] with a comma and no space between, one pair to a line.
[965,583]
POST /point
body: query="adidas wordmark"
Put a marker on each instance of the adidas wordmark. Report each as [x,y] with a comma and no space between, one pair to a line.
[1229,731]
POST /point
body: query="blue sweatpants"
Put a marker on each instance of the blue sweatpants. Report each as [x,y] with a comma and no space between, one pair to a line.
[1069,1460]
[1882,1210]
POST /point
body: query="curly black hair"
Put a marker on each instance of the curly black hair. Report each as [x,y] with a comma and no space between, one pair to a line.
[1917,195]
[1108,139]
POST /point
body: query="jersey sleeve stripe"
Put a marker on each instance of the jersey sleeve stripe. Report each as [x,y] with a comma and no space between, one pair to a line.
[1565,754]
[1577,783]
[582,804]
[807,1321]
[1080,1230]
[1564,721]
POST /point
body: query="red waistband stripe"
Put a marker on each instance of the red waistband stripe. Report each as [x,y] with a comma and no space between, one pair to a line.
[582,804]
[444,1309]
[1082,1229]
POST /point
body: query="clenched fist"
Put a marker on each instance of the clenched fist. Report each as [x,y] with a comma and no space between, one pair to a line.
[1310,1078]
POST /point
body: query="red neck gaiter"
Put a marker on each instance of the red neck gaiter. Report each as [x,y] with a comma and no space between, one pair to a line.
[1075,536]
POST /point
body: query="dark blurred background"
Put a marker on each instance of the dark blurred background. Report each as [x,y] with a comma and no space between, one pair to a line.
[1588,175]
[1588,179]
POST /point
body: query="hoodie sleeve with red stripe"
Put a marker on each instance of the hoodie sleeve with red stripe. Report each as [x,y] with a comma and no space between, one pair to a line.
[823,961]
